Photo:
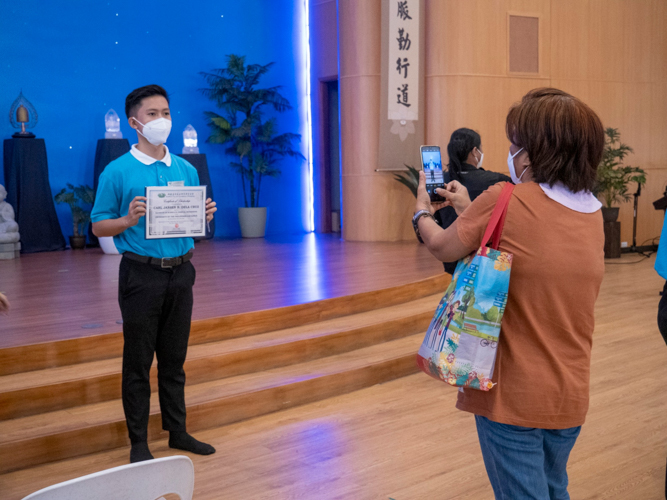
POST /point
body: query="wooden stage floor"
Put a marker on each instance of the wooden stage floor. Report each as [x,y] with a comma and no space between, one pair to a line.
[405,440]
[70,294]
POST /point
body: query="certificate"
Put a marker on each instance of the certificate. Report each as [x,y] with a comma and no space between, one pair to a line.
[175,212]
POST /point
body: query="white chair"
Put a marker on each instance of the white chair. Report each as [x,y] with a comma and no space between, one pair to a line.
[149,480]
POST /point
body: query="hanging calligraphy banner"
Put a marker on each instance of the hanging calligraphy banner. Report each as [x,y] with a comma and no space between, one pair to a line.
[402,126]
[404,60]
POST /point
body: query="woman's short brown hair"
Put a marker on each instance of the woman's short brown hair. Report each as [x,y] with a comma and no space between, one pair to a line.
[563,137]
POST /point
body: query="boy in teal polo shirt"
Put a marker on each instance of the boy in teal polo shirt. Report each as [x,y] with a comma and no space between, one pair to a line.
[156,276]
[661,269]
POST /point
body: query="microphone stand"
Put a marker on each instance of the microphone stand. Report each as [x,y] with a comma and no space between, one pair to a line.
[633,248]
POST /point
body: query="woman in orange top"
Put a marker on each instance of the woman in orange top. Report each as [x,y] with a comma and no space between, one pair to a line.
[529,422]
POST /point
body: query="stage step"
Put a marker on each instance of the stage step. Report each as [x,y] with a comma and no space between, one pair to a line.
[62,399]
[62,434]
[40,391]
[99,347]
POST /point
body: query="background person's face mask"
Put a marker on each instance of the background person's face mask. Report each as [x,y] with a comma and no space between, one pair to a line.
[510,164]
[481,159]
[156,131]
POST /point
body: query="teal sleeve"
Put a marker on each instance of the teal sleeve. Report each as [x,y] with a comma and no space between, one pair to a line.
[107,199]
[661,258]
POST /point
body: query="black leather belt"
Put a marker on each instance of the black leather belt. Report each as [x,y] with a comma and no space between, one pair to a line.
[164,262]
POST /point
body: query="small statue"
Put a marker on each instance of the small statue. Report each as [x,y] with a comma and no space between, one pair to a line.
[9,229]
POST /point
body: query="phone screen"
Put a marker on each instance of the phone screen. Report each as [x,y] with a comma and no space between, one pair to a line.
[432,165]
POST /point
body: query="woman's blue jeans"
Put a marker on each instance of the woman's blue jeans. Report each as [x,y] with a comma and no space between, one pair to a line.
[524,463]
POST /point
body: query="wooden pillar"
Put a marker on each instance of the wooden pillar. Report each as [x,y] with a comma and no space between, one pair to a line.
[375,206]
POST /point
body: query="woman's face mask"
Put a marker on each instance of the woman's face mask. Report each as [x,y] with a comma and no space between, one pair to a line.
[510,165]
[156,131]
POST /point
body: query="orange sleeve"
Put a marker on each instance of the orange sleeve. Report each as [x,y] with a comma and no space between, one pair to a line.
[471,224]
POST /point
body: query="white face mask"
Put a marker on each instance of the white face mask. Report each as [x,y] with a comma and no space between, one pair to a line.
[510,164]
[481,159]
[157,131]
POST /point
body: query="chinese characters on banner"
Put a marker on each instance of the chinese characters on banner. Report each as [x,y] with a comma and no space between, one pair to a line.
[403,65]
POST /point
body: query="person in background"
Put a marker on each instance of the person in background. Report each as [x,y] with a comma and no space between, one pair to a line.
[465,166]
[4,304]
[529,422]
[156,276]
[661,269]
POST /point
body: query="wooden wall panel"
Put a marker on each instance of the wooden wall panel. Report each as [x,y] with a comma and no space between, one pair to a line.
[466,109]
[383,211]
[637,40]
[570,38]
[359,32]
[657,123]
[658,48]
[609,53]
[635,126]
[466,37]
[606,32]
[359,114]
[541,9]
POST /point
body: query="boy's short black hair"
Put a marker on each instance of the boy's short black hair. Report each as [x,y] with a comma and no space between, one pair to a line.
[134,98]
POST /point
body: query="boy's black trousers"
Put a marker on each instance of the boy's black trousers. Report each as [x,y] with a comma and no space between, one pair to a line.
[156,305]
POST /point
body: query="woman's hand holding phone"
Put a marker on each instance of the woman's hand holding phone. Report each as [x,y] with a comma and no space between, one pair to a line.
[424,198]
[455,195]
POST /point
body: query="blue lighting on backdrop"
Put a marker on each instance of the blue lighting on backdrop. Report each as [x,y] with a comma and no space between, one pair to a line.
[76,60]
[309,122]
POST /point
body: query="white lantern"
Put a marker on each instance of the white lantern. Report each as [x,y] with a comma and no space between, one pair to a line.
[112,124]
[190,141]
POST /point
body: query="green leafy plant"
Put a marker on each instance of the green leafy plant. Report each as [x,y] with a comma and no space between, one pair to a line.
[614,178]
[409,179]
[251,138]
[80,200]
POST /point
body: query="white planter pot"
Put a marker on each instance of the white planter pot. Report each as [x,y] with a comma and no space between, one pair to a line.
[108,246]
[253,222]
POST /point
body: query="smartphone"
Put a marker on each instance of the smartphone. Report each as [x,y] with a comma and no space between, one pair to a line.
[432,166]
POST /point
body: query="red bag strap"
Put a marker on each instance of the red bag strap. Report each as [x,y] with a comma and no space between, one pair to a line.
[495,228]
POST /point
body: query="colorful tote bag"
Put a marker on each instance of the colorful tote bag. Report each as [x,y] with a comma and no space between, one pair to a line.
[461,342]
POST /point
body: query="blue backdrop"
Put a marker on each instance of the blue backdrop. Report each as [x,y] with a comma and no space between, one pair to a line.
[74,60]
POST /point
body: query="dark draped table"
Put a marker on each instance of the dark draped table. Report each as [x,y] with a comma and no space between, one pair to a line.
[29,192]
[199,162]
[107,151]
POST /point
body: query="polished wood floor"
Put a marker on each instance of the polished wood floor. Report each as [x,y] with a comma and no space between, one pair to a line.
[71,294]
[405,440]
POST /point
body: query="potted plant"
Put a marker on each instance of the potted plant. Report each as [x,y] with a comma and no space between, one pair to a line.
[409,179]
[251,138]
[614,178]
[80,200]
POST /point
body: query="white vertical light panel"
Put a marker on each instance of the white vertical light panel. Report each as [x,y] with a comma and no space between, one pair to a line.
[308,135]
